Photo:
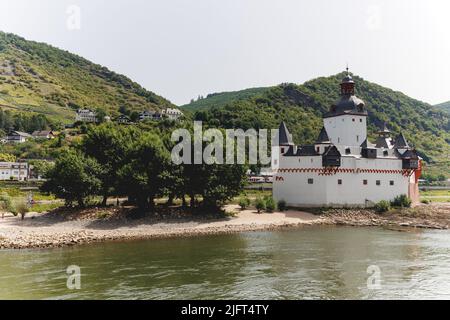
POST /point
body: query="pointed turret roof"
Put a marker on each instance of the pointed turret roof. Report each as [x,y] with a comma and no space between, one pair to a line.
[367,144]
[384,142]
[323,136]
[400,142]
[384,131]
[284,137]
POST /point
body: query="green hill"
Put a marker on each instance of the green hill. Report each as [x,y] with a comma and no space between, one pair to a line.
[41,79]
[222,98]
[444,106]
[302,106]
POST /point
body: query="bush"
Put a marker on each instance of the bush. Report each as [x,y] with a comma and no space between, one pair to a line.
[383,206]
[402,201]
[425,201]
[270,204]
[282,205]
[244,202]
[5,203]
[19,207]
[260,205]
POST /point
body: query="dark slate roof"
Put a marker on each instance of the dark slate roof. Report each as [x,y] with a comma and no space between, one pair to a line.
[332,151]
[348,104]
[348,79]
[384,142]
[410,154]
[284,136]
[400,142]
[323,136]
[290,152]
[384,129]
[308,150]
[367,144]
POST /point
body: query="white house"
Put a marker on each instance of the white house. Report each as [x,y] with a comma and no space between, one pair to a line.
[85,115]
[17,137]
[173,114]
[14,171]
[43,134]
[342,168]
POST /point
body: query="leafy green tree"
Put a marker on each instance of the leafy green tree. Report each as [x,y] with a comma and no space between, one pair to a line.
[74,178]
[109,144]
[142,177]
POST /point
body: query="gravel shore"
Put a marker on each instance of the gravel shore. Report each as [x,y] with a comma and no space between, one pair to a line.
[95,225]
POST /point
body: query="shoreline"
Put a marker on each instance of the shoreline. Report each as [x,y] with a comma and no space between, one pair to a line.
[51,230]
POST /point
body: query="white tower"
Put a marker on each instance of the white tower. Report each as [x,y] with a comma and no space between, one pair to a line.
[346,122]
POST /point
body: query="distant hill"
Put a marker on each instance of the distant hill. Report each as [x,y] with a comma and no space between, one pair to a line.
[444,106]
[41,79]
[302,106]
[222,98]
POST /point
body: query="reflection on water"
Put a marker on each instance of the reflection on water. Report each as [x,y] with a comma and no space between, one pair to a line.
[310,263]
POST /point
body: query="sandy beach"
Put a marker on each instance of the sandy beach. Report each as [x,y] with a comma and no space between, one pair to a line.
[53,230]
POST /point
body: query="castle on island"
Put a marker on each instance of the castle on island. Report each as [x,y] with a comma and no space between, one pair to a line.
[342,168]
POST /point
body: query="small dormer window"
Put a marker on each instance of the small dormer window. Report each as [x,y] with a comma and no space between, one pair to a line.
[282,150]
[385,153]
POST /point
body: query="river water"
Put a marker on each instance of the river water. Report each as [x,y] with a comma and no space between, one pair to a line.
[307,263]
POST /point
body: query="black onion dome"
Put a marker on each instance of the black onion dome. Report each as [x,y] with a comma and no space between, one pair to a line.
[349,103]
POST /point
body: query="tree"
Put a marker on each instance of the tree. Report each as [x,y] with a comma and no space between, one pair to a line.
[143,175]
[100,115]
[7,157]
[74,177]
[109,144]
[20,207]
[223,183]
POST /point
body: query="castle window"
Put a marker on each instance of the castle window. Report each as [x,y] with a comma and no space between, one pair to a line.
[365,182]
[360,120]
[310,181]
[339,181]
[318,149]
[282,150]
[386,153]
[357,138]
[347,151]
[391,182]
[378,183]
[339,140]
[353,119]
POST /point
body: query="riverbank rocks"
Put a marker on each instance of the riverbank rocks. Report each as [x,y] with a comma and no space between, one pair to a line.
[74,227]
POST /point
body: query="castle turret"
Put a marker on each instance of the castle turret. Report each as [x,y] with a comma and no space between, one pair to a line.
[346,121]
[283,141]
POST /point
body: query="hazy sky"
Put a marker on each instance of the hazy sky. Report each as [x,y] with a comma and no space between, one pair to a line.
[183,48]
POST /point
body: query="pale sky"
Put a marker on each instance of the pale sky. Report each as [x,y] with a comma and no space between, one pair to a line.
[182,48]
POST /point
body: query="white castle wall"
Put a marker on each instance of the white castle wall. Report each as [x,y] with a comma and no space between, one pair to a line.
[347,130]
[293,187]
